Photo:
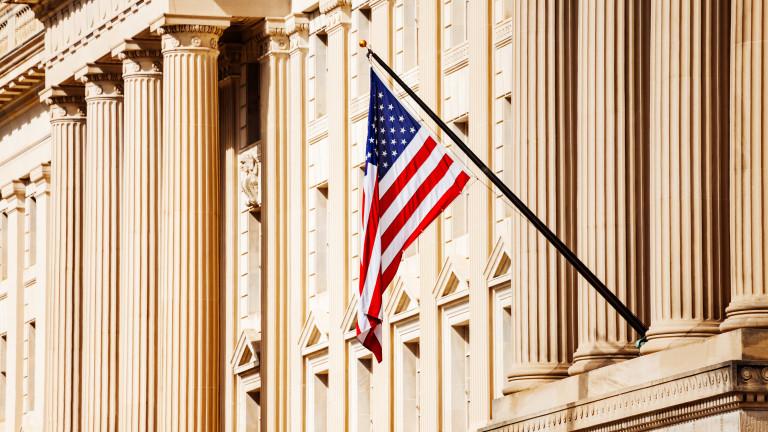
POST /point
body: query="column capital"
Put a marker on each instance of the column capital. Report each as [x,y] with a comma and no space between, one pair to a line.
[297,28]
[14,193]
[66,103]
[140,57]
[102,80]
[40,176]
[190,36]
[337,14]
[271,39]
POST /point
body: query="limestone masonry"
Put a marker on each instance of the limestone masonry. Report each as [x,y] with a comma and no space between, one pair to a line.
[180,210]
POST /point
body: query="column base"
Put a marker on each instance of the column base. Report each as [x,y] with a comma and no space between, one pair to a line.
[529,376]
[670,334]
[746,312]
[597,356]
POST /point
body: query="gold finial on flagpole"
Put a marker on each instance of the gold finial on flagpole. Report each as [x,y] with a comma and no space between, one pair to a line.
[363,43]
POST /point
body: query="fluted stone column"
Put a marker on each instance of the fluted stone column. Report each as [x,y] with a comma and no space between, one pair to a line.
[63,355]
[189,368]
[613,173]
[143,82]
[688,171]
[748,178]
[544,159]
[104,98]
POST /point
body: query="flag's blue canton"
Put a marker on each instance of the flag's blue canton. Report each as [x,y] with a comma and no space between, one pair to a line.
[390,127]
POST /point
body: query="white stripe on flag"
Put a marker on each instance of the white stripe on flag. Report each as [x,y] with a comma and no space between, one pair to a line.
[405,158]
[415,220]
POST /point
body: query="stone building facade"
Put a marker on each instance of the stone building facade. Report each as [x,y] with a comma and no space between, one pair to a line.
[179,207]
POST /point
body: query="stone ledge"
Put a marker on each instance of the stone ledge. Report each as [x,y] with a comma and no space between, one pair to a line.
[722,373]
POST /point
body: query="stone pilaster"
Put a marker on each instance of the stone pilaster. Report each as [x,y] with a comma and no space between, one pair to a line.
[189,371]
[297,28]
[612,218]
[64,327]
[229,124]
[337,14]
[689,265]
[273,56]
[430,250]
[381,28]
[544,159]
[104,99]
[14,194]
[143,87]
[40,179]
[479,219]
[748,178]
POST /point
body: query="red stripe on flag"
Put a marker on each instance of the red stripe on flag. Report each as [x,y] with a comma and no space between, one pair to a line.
[445,200]
[408,172]
[413,203]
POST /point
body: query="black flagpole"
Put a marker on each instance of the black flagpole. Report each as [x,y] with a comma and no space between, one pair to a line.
[561,247]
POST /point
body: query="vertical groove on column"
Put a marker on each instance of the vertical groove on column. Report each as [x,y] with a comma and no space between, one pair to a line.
[612,163]
[688,170]
[749,193]
[543,284]
[189,371]
[63,310]
[101,248]
[139,226]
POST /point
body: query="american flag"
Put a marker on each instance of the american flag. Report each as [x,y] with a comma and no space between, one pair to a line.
[409,180]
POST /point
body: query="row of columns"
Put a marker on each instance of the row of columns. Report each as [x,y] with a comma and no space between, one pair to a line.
[668,206]
[651,111]
[134,311]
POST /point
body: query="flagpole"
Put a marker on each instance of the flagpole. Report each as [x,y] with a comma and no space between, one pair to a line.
[561,247]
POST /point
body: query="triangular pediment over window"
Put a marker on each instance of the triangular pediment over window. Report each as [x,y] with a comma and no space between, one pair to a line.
[498,265]
[312,338]
[449,283]
[245,359]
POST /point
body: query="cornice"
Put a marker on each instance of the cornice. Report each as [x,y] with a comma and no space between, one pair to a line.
[329,5]
[21,70]
[718,388]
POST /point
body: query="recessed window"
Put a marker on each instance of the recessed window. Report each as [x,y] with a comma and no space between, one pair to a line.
[411,371]
[30,227]
[406,35]
[3,246]
[457,22]
[253,101]
[253,411]
[254,264]
[320,403]
[29,367]
[364,375]
[3,373]
[322,246]
[460,378]
[318,56]
[361,25]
